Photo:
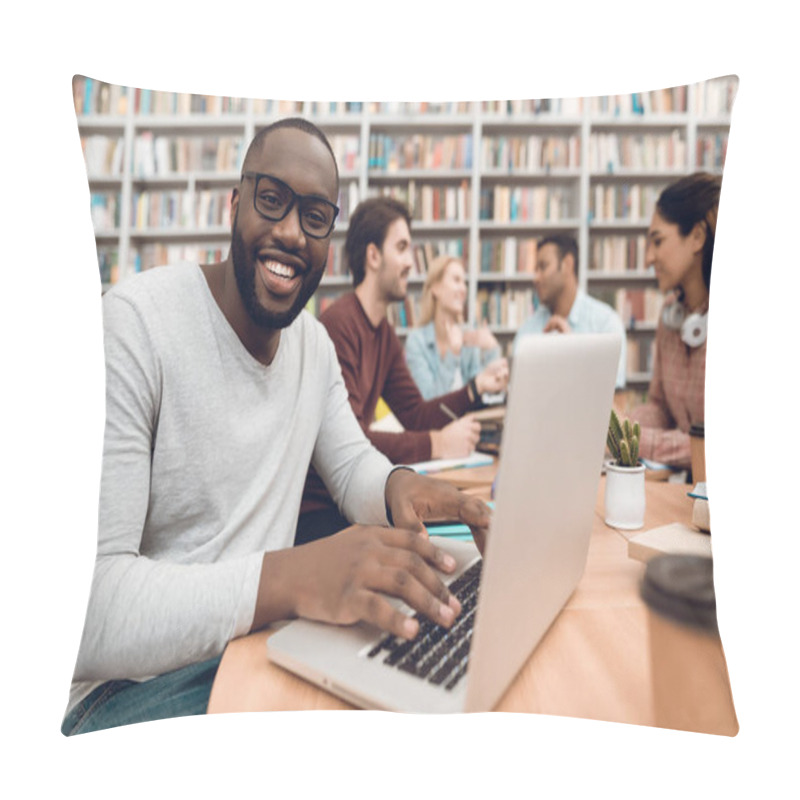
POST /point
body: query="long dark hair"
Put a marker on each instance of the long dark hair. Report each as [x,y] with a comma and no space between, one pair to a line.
[688,201]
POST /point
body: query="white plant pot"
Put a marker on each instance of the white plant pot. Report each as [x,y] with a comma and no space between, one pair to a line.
[624,498]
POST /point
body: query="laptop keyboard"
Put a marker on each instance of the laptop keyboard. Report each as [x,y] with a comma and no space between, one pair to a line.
[437,654]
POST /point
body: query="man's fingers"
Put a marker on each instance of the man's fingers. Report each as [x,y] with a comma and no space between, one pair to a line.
[404,516]
[371,607]
[424,593]
[473,512]
[410,540]
[479,536]
[407,578]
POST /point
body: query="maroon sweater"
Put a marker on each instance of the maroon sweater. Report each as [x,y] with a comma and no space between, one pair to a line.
[373,366]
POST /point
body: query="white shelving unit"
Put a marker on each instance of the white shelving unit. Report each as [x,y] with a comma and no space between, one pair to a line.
[677,143]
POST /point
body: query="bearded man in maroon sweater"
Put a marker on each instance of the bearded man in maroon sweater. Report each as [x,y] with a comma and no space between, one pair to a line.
[380,258]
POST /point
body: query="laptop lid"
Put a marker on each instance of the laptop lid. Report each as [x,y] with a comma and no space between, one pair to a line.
[559,401]
[560,397]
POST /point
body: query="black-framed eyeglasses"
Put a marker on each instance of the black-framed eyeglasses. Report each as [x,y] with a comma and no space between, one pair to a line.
[273,199]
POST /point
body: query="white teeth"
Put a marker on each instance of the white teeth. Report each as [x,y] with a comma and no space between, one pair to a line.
[276,268]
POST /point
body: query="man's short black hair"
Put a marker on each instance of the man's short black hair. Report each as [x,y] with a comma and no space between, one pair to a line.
[368,225]
[298,123]
[564,244]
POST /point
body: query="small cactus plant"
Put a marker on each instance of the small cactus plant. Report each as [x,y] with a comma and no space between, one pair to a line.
[623,441]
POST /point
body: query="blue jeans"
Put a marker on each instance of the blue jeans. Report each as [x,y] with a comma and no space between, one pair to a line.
[181,693]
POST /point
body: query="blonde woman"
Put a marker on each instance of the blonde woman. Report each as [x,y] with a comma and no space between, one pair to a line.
[442,355]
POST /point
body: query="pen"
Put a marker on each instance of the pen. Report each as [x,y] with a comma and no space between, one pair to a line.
[448,411]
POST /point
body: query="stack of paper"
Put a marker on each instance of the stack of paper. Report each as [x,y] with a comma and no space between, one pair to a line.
[442,464]
[675,539]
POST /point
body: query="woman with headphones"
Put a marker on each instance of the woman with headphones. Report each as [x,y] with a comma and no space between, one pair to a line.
[680,246]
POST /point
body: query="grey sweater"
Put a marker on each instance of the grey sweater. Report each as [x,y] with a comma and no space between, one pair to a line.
[205,456]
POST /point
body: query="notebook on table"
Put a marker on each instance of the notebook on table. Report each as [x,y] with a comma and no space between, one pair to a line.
[559,401]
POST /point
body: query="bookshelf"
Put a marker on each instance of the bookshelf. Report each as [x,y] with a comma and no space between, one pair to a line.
[484,180]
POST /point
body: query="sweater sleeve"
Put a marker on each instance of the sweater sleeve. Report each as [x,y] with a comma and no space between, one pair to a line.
[393,382]
[414,412]
[661,439]
[147,616]
[354,472]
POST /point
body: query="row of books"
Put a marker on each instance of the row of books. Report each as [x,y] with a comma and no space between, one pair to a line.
[507,309]
[715,97]
[639,355]
[426,252]
[405,314]
[530,152]
[157,254]
[660,101]
[335,265]
[171,209]
[155,155]
[347,201]
[526,203]
[510,255]
[566,106]
[614,254]
[629,202]
[634,306]
[103,155]
[346,148]
[711,150]
[90,96]
[105,209]
[611,151]
[150,101]
[306,108]
[507,256]
[401,108]
[392,152]
[449,203]
[153,254]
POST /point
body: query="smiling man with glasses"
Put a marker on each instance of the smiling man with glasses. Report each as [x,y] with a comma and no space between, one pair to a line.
[220,391]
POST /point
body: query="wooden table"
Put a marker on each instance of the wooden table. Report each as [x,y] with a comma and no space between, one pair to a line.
[593,663]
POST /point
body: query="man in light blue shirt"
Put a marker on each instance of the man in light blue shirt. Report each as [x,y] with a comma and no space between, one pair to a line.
[563,307]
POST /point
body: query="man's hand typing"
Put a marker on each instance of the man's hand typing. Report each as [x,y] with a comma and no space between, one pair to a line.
[413,499]
[345,578]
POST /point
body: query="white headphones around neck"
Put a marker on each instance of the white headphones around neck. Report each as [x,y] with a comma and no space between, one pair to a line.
[693,327]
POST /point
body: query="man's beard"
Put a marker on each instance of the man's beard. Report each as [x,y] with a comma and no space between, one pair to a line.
[394,292]
[244,269]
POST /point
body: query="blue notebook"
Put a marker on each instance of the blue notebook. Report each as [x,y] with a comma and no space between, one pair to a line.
[453,530]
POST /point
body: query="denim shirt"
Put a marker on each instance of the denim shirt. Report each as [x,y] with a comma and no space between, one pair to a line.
[434,375]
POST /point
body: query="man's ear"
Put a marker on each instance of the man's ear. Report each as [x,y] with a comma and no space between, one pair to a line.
[569,262]
[372,258]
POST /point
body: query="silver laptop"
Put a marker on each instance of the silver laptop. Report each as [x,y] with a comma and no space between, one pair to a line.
[559,401]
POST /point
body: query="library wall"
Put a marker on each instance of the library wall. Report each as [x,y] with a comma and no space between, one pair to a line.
[483,180]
